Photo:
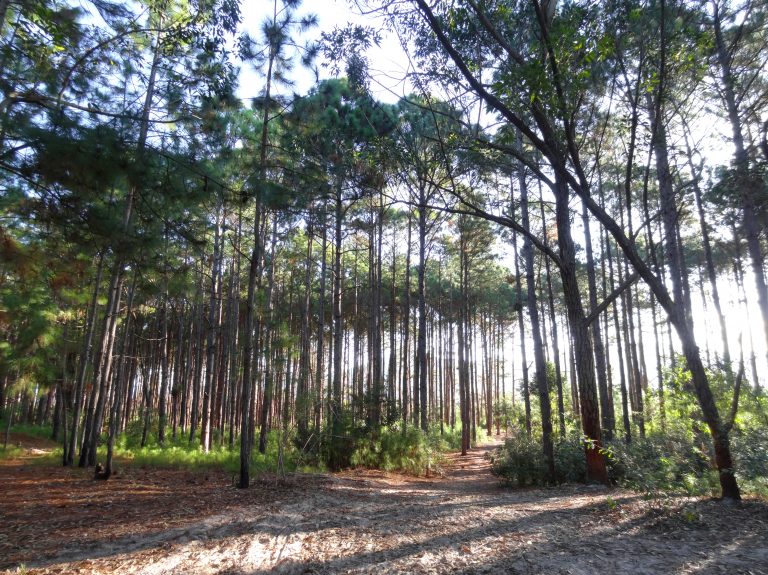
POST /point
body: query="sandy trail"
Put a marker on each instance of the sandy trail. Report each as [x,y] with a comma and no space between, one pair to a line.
[462,522]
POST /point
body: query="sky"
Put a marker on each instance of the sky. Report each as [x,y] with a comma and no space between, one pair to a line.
[388,62]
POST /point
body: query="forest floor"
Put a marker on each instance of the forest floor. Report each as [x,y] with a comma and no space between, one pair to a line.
[160,521]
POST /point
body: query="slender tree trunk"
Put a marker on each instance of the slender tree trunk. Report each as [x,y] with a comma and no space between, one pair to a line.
[116,409]
[212,332]
[606,407]
[404,400]
[422,335]
[99,392]
[590,415]
[269,375]
[321,325]
[302,395]
[555,339]
[520,317]
[85,360]
[747,183]
[538,343]
[338,336]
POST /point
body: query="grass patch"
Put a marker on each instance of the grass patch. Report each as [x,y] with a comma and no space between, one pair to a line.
[10,452]
[179,453]
[39,431]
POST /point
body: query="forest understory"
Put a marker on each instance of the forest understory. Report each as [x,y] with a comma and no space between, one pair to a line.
[461,520]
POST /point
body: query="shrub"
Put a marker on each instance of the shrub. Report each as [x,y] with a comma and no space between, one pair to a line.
[750,448]
[413,452]
[671,462]
[520,461]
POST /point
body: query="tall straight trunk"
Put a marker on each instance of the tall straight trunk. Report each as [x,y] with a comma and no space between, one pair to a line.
[462,344]
[748,184]
[619,351]
[376,335]
[472,368]
[254,278]
[269,375]
[149,377]
[634,380]
[248,356]
[451,373]
[334,405]
[165,334]
[130,384]
[634,377]
[538,343]
[178,372]
[422,335]
[197,374]
[321,325]
[555,336]
[99,391]
[487,337]
[189,369]
[584,355]
[606,407]
[116,408]
[289,404]
[520,317]
[391,372]
[225,351]
[404,399]
[212,331]
[85,359]
[302,391]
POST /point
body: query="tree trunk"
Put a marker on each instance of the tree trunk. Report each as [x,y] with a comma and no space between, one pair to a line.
[422,334]
[538,343]
[590,415]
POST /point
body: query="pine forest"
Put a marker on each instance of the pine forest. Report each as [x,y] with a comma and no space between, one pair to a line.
[383,286]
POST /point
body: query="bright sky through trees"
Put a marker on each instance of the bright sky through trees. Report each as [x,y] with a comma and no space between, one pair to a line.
[389,63]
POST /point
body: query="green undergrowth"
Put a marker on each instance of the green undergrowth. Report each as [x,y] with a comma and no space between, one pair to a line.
[669,463]
[674,457]
[280,455]
[411,451]
[10,452]
[389,448]
[520,461]
[39,431]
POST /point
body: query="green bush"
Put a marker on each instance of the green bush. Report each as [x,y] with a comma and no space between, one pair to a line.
[413,452]
[750,448]
[672,462]
[520,461]
[390,449]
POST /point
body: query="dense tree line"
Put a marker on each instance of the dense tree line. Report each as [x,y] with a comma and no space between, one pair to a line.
[181,262]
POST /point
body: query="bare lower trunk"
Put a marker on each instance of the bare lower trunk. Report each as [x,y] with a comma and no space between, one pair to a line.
[585,367]
[538,344]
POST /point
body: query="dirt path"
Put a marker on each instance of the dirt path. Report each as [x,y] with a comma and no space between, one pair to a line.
[368,522]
